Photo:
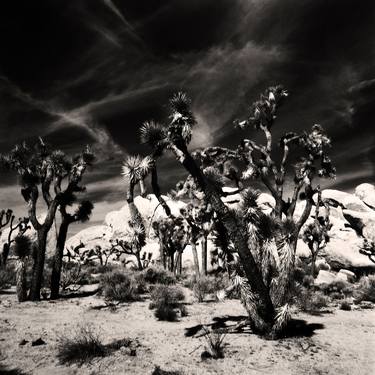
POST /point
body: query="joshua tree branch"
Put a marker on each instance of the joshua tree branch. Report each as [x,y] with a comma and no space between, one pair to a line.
[156,190]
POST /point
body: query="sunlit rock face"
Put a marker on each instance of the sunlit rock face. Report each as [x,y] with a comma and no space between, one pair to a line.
[351,216]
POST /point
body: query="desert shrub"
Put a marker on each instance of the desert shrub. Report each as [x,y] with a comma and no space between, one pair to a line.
[309,300]
[7,276]
[340,287]
[365,290]
[159,371]
[308,281]
[119,286]
[203,286]
[97,268]
[215,342]
[84,345]
[166,300]
[158,275]
[345,305]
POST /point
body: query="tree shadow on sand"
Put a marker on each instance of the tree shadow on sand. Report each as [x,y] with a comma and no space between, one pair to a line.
[7,371]
[233,324]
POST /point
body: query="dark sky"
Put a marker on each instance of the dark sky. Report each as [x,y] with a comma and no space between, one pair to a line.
[91,71]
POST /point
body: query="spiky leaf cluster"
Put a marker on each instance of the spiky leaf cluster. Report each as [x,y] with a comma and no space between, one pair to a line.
[22,246]
[263,111]
[135,168]
[154,135]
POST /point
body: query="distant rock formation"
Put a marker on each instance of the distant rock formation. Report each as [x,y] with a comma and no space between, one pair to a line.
[352,217]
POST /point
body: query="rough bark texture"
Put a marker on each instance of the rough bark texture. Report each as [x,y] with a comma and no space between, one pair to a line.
[195,257]
[21,285]
[38,266]
[57,259]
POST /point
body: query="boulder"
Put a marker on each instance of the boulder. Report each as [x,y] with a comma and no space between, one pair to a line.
[366,192]
[345,200]
[325,277]
[362,222]
[350,276]
[342,251]
[322,264]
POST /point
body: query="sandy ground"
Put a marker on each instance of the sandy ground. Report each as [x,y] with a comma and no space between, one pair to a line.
[341,342]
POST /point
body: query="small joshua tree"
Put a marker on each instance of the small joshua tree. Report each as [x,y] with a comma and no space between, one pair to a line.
[40,169]
[315,234]
[22,248]
[7,219]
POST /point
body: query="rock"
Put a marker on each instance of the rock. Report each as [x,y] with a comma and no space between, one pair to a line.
[362,222]
[350,275]
[342,251]
[325,277]
[342,277]
[346,200]
[38,342]
[322,264]
[366,192]
[302,250]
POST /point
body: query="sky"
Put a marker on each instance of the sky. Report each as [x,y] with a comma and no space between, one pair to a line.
[92,71]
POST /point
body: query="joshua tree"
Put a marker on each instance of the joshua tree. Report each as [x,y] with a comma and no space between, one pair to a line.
[215,163]
[82,214]
[173,234]
[21,226]
[22,249]
[315,235]
[40,168]
[133,244]
[368,249]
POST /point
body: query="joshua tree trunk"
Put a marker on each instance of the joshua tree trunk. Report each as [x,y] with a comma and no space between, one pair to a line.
[314,254]
[5,253]
[58,257]
[21,280]
[204,255]
[139,261]
[38,266]
[265,311]
[195,257]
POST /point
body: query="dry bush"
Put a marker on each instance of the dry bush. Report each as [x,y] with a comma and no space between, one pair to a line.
[7,276]
[84,345]
[203,286]
[119,286]
[311,301]
[345,305]
[166,300]
[338,289]
[215,342]
[365,290]
[158,275]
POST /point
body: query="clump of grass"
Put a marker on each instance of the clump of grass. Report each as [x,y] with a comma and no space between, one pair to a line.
[365,291]
[167,300]
[85,344]
[215,342]
[118,286]
[158,275]
[81,347]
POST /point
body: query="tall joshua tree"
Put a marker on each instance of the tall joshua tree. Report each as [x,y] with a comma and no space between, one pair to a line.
[22,249]
[40,168]
[81,214]
[258,160]
[134,170]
